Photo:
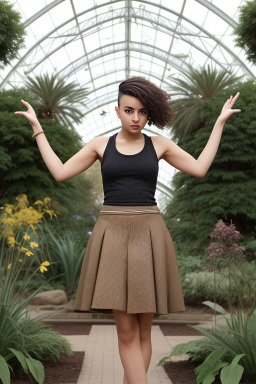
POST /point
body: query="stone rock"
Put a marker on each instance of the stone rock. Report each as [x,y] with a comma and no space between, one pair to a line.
[55,297]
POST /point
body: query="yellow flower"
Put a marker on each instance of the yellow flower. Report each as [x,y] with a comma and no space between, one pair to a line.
[20,260]
[9,266]
[8,208]
[11,241]
[33,245]
[23,249]
[7,234]
[47,200]
[29,253]
[26,236]
[38,202]
[50,212]
[33,228]
[42,266]
[22,201]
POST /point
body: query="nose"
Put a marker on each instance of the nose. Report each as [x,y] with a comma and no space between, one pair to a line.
[136,116]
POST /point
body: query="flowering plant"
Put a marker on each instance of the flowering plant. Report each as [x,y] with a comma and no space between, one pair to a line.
[225,248]
[18,259]
[230,348]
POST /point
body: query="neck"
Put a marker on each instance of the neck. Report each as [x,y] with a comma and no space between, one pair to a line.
[129,136]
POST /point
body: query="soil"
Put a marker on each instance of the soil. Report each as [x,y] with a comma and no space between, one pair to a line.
[178,330]
[183,372]
[84,329]
[66,371]
[70,328]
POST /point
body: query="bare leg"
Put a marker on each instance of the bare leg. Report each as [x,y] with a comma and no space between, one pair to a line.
[145,324]
[131,355]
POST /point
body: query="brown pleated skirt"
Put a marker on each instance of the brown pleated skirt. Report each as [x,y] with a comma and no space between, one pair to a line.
[129,264]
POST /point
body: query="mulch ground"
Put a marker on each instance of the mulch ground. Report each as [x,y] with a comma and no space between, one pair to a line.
[70,328]
[183,372]
[178,330]
[66,371]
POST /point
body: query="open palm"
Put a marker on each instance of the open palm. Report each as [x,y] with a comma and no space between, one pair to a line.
[29,114]
[227,110]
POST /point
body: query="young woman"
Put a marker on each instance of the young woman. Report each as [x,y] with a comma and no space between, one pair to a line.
[129,267]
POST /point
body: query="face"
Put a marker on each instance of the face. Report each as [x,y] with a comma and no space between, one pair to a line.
[132,113]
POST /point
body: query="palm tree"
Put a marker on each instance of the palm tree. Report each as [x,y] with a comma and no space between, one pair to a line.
[199,85]
[54,99]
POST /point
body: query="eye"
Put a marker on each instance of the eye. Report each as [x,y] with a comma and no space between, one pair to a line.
[143,112]
[128,110]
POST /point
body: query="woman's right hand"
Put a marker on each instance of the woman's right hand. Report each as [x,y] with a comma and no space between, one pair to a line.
[29,114]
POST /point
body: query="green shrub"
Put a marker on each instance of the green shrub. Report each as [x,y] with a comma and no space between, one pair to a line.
[205,285]
[189,264]
[66,250]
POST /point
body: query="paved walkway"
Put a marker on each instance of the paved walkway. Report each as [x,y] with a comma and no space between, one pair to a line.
[102,364]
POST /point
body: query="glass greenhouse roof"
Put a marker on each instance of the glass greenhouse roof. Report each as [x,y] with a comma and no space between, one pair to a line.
[101,43]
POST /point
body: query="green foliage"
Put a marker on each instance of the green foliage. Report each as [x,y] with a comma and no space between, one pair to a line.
[190,264]
[236,338]
[224,346]
[69,255]
[54,99]
[246,30]
[19,334]
[11,32]
[205,285]
[229,373]
[197,86]
[228,191]
[250,250]
[180,349]
[235,341]
[76,239]
[22,169]
[47,345]
[207,371]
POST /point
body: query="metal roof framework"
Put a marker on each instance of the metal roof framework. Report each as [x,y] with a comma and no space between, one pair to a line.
[100,43]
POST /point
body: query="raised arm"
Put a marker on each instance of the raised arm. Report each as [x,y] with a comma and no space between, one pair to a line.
[75,165]
[183,161]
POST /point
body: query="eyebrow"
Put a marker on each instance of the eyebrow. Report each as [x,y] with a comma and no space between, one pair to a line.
[133,108]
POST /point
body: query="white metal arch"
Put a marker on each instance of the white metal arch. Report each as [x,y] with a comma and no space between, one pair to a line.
[154,18]
[128,12]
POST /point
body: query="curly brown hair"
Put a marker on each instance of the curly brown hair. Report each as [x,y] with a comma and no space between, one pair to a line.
[151,96]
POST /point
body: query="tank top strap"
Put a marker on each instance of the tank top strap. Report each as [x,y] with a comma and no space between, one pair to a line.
[109,148]
[150,146]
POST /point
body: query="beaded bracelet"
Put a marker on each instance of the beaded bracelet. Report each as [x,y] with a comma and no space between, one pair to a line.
[37,133]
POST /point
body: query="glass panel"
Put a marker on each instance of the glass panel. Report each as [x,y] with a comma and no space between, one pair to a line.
[90,44]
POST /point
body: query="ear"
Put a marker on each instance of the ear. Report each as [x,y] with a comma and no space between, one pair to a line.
[117,111]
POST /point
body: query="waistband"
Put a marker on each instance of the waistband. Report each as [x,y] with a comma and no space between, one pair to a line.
[136,210]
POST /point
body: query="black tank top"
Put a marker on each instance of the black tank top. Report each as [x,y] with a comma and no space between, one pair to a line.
[129,179]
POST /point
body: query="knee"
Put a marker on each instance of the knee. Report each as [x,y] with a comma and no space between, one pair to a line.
[127,334]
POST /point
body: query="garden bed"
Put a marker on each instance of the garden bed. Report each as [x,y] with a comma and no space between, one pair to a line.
[66,371]
[183,372]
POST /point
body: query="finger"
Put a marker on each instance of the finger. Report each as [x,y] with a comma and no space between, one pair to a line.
[236,97]
[20,113]
[26,104]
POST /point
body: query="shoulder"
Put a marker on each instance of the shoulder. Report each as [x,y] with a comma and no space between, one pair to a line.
[98,145]
[161,140]
[162,145]
[98,141]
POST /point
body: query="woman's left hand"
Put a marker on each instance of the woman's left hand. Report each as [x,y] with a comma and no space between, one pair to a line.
[227,110]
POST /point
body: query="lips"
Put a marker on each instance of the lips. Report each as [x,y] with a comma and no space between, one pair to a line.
[135,126]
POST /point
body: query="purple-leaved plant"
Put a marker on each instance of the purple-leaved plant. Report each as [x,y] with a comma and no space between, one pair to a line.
[225,247]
